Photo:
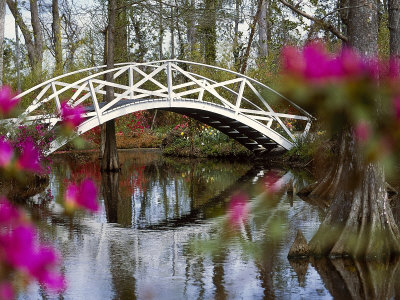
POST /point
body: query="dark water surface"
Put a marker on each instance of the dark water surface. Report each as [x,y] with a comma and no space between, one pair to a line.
[163,233]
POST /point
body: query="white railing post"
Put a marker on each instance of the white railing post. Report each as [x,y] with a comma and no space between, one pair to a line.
[306,129]
[169,83]
[56,98]
[95,102]
[131,80]
[239,97]
[201,93]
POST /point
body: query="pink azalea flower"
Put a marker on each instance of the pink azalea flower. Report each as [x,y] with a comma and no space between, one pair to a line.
[271,182]
[293,61]
[82,196]
[7,100]
[396,102]
[6,291]
[238,209]
[17,246]
[21,251]
[317,62]
[24,253]
[362,131]
[6,153]
[71,116]
[351,62]
[8,213]
[373,68]
[29,159]
[394,68]
[41,267]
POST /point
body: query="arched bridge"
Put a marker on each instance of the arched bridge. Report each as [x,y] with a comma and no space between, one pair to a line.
[241,107]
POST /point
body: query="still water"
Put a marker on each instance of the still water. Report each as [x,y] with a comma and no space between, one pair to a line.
[163,233]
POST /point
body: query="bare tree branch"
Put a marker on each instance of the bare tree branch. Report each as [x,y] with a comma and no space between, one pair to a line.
[339,9]
[321,22]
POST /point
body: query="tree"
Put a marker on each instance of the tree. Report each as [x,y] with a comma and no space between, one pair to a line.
[109,161]
[263,35]
[33,39]
[394,27]
[56,33]
[2,20]
[208,31]
[256,19]
[190,21]
[121,33]
[359,221]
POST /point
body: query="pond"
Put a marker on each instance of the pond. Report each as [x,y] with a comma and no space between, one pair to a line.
[162,232]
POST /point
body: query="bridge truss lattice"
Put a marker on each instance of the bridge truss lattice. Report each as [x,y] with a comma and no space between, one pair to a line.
[239,106]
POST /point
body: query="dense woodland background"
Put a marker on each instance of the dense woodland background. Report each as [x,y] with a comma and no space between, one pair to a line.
[60,36]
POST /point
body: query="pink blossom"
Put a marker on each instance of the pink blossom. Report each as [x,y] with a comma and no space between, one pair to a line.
[29,159]
[6,291]
[41,267]
[23,252]
[7,100]
[350,62]
[238,209]
[394,68]
[6,153]
[82,196]
[317,62]
[272,182]
[373,68]
[8,213]
[293,61]
[396,103]
[71,116]
[362,131]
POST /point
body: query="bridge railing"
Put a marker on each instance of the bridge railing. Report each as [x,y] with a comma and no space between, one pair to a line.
[166,80]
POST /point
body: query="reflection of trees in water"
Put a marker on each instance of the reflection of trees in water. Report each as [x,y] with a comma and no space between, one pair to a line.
[118,210]
[212,207]
[218,260]
[162,191]
[351,279]
[122,271]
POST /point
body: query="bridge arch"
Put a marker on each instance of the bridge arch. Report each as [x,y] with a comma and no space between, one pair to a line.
[237,105]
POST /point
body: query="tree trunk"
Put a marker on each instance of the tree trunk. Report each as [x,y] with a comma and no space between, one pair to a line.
[38,39]
[2,23]
[179,33]
[209,33]
[17,58]
[394,27]
[56,30]
[139,37]
[161,31]
[359,221]
[251,36]
[191,28]
[236,46]
[263,30]
[109,161]
[172,30]
[121,35]
[33,39]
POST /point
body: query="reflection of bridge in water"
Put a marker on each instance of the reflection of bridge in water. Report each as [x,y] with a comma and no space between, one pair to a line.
[197,212]
[239,106]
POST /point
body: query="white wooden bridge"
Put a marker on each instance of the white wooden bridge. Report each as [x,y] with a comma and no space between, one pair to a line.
[243,108]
